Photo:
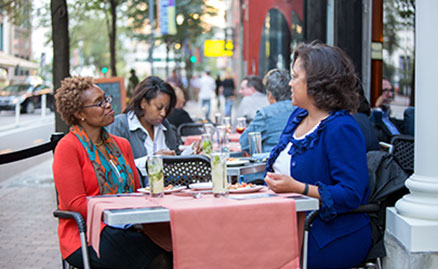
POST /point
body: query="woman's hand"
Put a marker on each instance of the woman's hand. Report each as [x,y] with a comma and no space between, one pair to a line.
[283,183]
[197,147]
[165,152]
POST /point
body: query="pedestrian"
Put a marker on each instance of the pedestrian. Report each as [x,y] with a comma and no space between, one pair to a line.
[228,90]
[132,83]
[206,92]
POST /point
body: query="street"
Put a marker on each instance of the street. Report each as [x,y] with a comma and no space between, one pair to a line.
[33,130]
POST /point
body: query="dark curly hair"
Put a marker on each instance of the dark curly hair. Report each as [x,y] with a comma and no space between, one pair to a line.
[149,89]
[331,79]
[68,97]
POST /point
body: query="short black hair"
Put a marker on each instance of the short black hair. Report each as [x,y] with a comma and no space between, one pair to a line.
[255,82]
[148,89]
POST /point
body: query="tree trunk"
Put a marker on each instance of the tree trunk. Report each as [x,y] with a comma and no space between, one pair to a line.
[61,51]
[112,37]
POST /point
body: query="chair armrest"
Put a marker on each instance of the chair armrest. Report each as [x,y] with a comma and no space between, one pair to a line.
[63,214]
[368,208]
[309,219]
[386,147]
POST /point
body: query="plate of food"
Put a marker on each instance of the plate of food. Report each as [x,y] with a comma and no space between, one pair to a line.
[201,186]
[244,188]
[236,161]
[168,189]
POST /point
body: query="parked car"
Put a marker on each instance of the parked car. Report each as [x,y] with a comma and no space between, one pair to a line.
[27,95]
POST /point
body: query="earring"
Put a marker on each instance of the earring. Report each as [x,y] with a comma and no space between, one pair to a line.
[82,119]
[142,107]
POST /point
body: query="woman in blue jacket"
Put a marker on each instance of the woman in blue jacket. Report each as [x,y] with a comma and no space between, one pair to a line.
[322,153]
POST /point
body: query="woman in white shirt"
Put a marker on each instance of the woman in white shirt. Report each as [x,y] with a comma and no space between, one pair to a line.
[144,124]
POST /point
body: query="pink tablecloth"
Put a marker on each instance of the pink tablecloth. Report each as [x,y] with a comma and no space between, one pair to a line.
[226,233]
[95,208]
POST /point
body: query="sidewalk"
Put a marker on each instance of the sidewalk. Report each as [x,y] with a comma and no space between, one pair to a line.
[28,230]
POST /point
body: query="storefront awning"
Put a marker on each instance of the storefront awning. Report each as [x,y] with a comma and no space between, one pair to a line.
[12,61]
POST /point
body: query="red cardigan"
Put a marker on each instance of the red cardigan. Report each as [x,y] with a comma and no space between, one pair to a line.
[75,180]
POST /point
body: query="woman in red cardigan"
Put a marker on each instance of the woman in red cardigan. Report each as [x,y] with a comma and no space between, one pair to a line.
[89,161]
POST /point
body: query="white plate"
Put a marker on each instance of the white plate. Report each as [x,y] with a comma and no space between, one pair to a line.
[237,162]
[174,189]
[246,189]
[201,186]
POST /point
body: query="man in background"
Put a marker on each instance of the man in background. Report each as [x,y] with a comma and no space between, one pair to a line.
[254,97]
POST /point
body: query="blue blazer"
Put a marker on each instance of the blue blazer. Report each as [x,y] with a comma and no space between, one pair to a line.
[333,157]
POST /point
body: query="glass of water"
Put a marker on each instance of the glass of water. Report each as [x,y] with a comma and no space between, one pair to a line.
[155,174]
[219,173]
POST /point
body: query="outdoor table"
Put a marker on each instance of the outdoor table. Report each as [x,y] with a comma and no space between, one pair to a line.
[216,232]
[161,214]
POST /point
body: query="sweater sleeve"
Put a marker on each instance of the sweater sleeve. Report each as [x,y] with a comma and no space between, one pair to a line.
[68,177]
[348,169]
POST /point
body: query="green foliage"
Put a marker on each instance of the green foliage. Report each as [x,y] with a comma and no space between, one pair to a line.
[18,11]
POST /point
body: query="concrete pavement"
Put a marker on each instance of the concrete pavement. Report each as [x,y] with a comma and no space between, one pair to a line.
[28,230]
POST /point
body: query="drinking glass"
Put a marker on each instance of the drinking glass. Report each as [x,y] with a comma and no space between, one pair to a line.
[226,121]
[209,129]
[207,144]
[155,174]
[218,163]
[221,138]
[217,118]
[255,143]
[241,125]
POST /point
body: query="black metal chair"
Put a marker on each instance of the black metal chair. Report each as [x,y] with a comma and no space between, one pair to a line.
[184,170]
[191,128]
[403,151]
[386,186]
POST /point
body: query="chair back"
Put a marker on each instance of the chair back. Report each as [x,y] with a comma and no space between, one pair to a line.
[191,128]
[184,170]
[403,151]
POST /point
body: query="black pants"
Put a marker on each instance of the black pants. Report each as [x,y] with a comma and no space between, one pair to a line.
[120,249]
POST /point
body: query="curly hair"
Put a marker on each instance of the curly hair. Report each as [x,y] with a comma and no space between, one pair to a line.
[148,89]
[68,97]
[331,79]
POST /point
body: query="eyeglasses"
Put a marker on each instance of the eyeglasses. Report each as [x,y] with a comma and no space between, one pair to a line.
[102,104]
[388,90]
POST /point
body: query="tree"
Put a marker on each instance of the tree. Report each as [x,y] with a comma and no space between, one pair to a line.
[109,8]
[61,51]
[188,32]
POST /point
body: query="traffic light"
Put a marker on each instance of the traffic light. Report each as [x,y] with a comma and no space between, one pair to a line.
[193,59]
[104,70]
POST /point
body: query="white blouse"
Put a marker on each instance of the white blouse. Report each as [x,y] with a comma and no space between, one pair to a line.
[282,163]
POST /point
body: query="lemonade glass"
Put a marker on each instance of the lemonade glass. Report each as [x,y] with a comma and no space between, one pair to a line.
[207,144]
[219,173]
[156,177]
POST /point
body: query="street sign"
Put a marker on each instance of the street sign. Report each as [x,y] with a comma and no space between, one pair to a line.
[218,48]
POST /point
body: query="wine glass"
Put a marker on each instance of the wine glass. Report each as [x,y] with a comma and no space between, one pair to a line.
[241,125]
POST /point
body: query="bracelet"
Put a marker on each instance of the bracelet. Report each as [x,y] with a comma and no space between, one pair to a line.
[306,188]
